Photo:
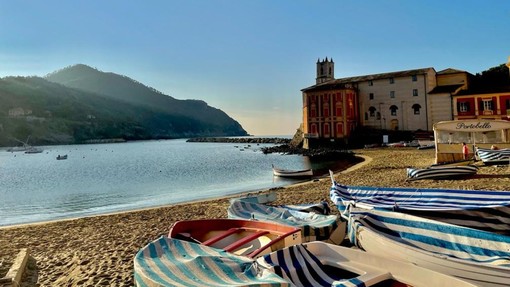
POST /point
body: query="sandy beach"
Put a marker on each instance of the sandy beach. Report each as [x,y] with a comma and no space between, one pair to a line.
[99,250]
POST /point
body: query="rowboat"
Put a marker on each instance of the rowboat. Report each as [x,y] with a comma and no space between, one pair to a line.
[439,172]
[479,257]
[305,173]
[310,218]
[61,157]
[172,262]
[487,210]
[242,237]
[491,156]
[322,264]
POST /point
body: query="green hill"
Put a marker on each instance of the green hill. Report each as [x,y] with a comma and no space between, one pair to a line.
[66,107]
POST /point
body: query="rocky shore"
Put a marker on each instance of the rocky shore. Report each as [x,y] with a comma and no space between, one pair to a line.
[243,140]
[99,250]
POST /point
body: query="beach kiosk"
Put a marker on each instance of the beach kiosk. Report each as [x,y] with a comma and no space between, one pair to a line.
[449,136]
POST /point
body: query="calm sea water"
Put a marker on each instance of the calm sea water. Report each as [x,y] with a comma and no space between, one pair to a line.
[104,178]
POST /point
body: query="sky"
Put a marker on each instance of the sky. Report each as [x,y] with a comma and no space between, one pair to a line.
[250,59]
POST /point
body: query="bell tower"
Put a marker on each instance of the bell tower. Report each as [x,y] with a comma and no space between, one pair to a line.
[325,70]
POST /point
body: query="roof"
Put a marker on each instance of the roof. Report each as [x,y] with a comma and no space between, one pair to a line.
[446,89]
[450,71]
[484,90]
[339,83]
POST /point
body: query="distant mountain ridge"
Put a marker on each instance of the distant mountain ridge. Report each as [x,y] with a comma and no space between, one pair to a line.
[79,104]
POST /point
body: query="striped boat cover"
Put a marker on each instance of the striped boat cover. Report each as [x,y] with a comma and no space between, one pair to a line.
[319,208]
[480,209]
[172,262]
[432,236]
[301,267]
[489,156]
[313,225]
[441,172]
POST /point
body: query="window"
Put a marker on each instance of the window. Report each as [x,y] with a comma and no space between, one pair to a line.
[393,110]
[392,94]
[370,83]
[378,115]
[392,80]
[463,107]
[415,92]
[416,109]
[366,116]
[487,105]
[372,111]
[371,96]
[414,78]
[326,110]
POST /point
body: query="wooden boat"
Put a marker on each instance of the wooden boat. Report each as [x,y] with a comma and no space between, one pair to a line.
[482,258]
[242,237]
[487,210]
[494,156]
[305,173]
[61,157]
[322,264]
[310,218]
[172,262]
[441,172]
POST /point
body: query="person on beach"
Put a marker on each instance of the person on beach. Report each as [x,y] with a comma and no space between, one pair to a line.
[465,150]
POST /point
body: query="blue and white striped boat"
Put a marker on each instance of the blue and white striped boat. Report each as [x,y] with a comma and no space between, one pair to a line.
[491,156]
[480,257]
[441,172]
[172,262]
[314,226]
[481,209]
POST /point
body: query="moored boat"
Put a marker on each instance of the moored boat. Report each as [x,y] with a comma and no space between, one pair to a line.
[242,237]
[441,172]
[482,258]
[61,157]
[310,218]
[487,210]
[305,173]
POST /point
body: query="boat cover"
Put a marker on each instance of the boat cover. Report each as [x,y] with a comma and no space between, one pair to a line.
[490,156]
[301,267]
[318,226]
[441,172]
[172,262]
[433,236]
[481,209]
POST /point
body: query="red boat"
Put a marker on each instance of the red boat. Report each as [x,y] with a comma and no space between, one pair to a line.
[242,237]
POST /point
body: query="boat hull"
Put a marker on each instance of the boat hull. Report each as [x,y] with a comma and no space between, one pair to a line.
[242,237]
[441,172]
[306,173]
[493,157]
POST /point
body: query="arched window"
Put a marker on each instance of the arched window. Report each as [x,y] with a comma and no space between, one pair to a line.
[416,109]
[393,110]
[372,111]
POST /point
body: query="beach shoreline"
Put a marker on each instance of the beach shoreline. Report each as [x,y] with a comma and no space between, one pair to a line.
[99,250]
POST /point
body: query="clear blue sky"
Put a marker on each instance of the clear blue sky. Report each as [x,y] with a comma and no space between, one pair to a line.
[250,58]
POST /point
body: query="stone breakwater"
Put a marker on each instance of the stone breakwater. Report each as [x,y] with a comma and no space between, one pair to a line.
[240,140]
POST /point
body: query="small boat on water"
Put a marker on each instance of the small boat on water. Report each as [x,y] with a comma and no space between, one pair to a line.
[34,149]
[305,173]
[487,210]
[172,262]
[482,258]
[242,237]
[494,156]
[310,218]
[441,172]
[61,157]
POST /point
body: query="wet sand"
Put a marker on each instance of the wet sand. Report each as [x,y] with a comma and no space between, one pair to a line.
[99,250]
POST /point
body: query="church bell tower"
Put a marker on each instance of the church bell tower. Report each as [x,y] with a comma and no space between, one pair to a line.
[325,70]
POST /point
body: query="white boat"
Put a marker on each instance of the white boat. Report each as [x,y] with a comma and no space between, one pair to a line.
[494,156]
[441,172]
[310,218]
[305,173]
[482,258]
[172,262]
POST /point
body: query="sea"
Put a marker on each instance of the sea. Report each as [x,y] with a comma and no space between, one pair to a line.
[105,178]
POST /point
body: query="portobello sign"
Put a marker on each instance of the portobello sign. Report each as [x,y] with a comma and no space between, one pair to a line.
[472,126]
